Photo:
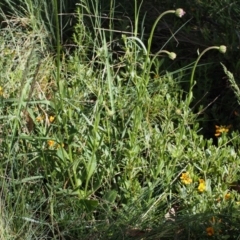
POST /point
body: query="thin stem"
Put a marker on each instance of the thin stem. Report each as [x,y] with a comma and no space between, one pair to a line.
[171,55]
[193,72]
[195,65]
[154,26]
[58,40]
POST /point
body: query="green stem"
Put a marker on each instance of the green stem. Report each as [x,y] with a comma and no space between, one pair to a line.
[195,65]
[193,72]
[154,26]
[171,55]
[58,39]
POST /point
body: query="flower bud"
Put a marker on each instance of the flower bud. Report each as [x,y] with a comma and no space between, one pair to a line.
[172,55]
[222,49]
[180,12]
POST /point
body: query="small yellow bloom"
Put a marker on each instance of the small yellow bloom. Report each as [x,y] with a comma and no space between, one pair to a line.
[1,91]
[51,143]
[210,231]
[185,178]
[202,185]
[227,196]
[51,119]
[221,129]
[39,118]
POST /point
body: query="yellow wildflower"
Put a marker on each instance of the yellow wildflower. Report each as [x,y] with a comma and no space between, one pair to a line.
[51,143]
[210,231]
[51,119]
[227,196]
[1,91]
[39,118]
[185,178]
[221,129]
[202,185]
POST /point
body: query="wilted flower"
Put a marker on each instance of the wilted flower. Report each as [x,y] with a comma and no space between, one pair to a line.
[202,185]
[210,231]
[180,12]
[185,178]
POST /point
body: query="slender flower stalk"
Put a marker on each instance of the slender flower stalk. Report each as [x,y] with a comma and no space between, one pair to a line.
[179,12]
[221,49]
[171,55]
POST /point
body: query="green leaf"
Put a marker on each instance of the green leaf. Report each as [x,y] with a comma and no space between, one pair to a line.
[62,154]
[110,196]
[28,179]
[91,166]
[90,205]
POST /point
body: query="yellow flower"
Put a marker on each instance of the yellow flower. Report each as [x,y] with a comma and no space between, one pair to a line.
[51,143]
[210,231]
[51,119]
[185,178]
[1,91]
[227,196]
[202,185]
[221,129]
[39,118]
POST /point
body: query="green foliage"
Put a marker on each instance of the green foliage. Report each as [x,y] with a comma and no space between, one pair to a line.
[102,141]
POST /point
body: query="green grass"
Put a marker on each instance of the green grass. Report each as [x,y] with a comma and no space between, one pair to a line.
[97,135]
